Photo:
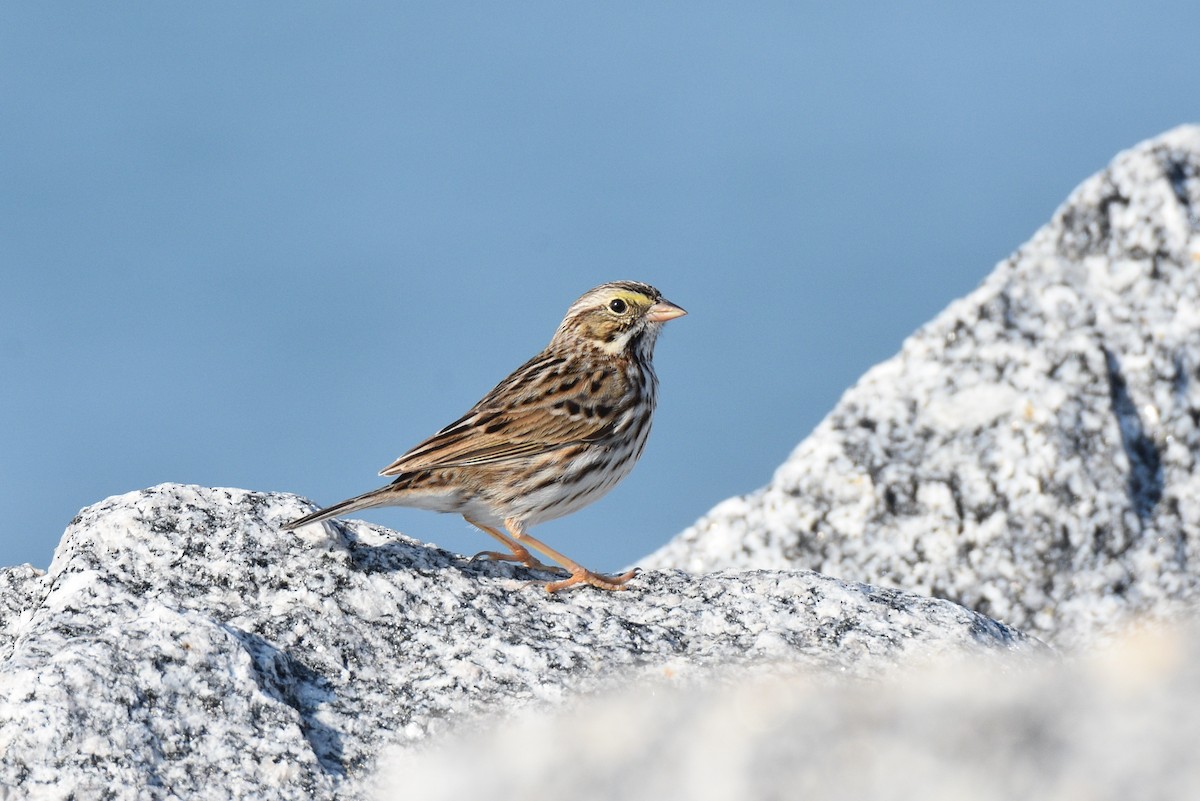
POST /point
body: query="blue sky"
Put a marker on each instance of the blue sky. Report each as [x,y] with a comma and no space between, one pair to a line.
[274,245]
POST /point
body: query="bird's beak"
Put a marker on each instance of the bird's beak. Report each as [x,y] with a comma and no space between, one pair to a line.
[662,311]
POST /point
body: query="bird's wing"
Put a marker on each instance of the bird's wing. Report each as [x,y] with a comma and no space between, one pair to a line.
[533,411]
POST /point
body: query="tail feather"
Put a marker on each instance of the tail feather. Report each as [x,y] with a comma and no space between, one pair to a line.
[367,500]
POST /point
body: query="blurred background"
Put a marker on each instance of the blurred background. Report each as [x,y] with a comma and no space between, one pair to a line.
[273,245]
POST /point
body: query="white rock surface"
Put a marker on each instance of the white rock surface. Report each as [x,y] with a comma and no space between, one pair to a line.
[1117,724]
[181,646]
[1031,452]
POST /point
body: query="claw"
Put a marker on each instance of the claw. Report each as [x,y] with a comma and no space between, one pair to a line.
[597,580]
[525,558]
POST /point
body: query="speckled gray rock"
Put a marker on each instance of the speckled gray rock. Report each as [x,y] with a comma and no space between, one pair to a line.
[1114,724]
[20,590]
[1031,452]
[181,646]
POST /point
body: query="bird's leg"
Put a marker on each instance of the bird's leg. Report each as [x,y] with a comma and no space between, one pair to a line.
[519,552]
[579,573]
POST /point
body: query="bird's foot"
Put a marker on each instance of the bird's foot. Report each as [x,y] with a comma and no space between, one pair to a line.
[523,557]
[598,580]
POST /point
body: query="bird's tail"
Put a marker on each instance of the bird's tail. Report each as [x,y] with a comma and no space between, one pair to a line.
[376,497]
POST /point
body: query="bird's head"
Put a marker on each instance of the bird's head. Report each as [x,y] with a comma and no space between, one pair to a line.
[619,318]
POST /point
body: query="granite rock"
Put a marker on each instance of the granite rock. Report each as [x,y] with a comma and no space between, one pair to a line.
[1031,452]
[1114,723]
[182,646]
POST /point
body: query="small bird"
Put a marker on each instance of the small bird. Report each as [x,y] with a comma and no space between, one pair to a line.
[554,436]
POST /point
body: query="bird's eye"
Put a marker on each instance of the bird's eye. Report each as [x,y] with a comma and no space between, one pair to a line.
[617,305]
